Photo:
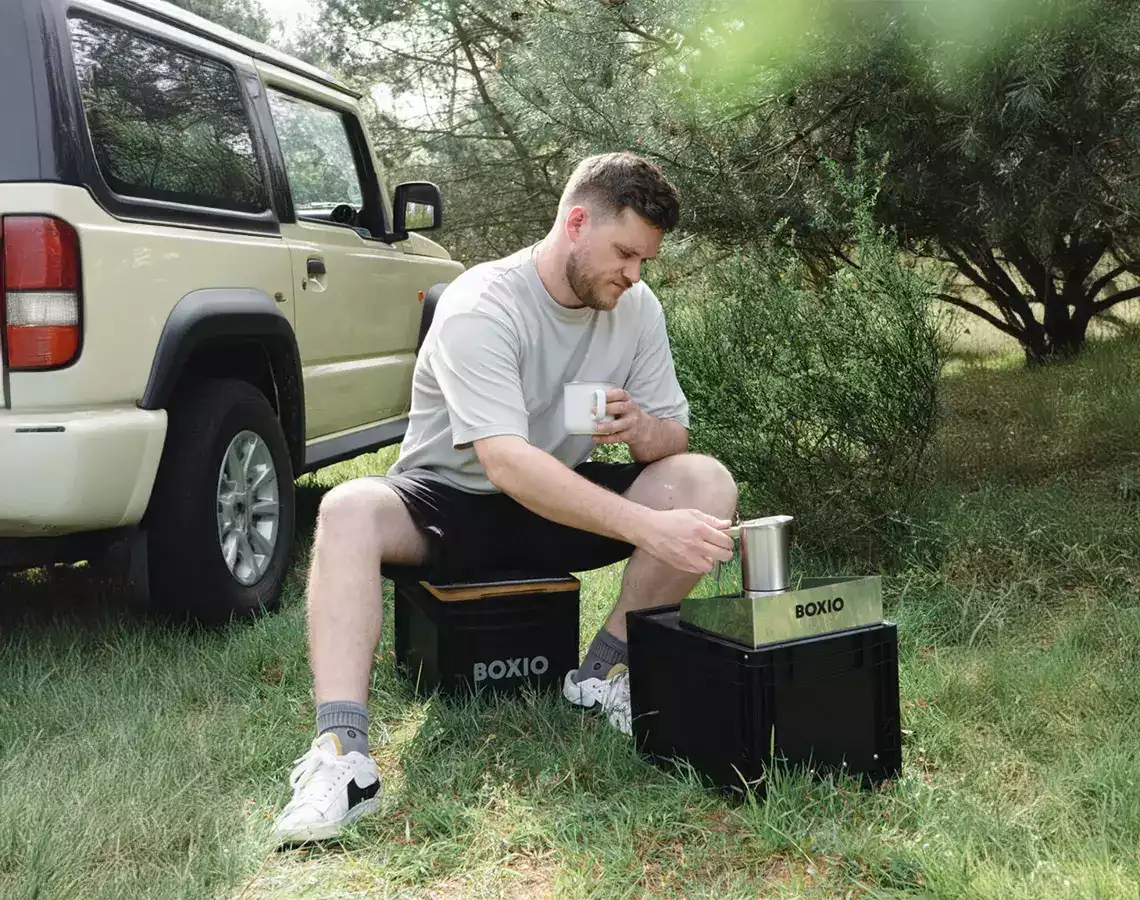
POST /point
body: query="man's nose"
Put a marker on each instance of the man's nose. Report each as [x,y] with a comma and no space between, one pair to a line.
[632,272]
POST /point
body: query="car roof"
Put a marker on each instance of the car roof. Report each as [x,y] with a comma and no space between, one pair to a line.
[188,21]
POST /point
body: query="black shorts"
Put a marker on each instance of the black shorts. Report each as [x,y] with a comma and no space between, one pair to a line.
[477,535]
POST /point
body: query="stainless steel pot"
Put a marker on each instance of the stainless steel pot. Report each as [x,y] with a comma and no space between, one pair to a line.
[765,567]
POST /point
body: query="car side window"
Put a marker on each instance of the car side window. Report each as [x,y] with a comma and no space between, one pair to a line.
[166,123]
[319,161]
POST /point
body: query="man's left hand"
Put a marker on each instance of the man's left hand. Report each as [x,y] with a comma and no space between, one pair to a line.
[629,424]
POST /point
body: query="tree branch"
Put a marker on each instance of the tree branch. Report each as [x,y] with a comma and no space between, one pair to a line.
[988,263]
[641,33]
[497,27]
[425,61]
[1092,253]
[967,268]
[1015,300]
[448,132]
[497,115]
[997,323]
[1101,283]
[822,120]
[837,249]
[1112,301]
[1030,268]
[577,128]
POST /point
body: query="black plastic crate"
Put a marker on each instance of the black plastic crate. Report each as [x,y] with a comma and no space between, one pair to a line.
[495,635]
[830,702]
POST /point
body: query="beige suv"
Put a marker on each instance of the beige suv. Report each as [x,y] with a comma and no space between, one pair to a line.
[205,291]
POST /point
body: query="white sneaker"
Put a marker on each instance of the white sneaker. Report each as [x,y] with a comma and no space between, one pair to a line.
[611,693]
[329,791]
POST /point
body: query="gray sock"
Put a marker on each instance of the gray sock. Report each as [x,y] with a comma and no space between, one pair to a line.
[346,719]
[606,651]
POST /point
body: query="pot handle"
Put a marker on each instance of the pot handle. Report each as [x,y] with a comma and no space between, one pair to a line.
[734,533]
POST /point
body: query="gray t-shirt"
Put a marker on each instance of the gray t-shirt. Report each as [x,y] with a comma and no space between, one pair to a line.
[497,355]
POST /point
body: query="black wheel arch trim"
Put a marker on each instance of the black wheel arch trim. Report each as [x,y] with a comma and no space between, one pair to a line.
[218,314]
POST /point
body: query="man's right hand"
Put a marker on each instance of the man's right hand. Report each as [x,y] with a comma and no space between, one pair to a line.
[686,539]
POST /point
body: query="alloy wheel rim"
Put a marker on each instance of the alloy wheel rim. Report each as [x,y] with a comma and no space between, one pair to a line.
[248,508]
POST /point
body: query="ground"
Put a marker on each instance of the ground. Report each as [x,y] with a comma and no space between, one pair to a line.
[142,761]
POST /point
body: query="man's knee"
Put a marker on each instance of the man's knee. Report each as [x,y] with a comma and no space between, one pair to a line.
[689,480]
[356,508]
[366,513]
[707,484]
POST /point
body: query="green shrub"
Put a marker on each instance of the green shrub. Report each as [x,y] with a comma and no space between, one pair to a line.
[819,392]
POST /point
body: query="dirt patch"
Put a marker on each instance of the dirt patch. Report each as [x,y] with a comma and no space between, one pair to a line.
[524,879]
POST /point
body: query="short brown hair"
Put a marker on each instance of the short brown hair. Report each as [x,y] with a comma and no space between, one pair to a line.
[624,180]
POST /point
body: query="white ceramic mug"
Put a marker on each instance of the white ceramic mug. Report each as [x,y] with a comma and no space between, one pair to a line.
[584,406]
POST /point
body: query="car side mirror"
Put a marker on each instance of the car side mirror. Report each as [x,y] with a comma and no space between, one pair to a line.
[417,206]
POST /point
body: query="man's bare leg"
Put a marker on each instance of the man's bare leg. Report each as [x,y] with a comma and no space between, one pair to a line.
[687,481]
[361,524]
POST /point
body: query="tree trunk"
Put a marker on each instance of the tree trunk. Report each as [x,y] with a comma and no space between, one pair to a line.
[1036,350]
[1066,320]
[1064,340]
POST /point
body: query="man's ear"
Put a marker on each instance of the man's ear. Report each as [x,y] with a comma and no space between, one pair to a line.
[575,221]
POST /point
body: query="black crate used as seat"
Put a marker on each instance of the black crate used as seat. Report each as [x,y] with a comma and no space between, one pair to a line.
[829,702]
[500,633]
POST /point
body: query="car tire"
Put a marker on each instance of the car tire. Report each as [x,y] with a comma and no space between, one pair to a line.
[217,549]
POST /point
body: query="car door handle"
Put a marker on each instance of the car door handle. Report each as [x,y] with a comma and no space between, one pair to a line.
[316,266]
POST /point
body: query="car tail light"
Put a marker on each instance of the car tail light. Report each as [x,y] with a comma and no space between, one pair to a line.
[39,291]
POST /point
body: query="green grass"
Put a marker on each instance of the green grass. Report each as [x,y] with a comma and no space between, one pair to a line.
[138,760]
[1025,425]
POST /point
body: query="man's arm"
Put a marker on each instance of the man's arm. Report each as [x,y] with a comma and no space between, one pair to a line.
[648,438]
[686,539]
[662,437]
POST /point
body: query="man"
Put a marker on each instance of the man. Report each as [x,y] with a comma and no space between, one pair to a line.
[489,478]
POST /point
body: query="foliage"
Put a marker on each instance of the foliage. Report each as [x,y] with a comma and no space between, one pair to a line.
[435,67]
[819,393]
[1010,133]
[246,17]
[1011,153]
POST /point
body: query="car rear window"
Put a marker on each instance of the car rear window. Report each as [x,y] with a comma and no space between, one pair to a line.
[166,123]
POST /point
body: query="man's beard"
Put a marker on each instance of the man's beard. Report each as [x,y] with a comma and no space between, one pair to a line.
[583,287]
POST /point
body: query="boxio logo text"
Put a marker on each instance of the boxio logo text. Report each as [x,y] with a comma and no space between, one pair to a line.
[822,608]
[520,667]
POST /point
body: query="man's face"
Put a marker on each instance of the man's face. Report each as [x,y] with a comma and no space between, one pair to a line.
[606,255]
